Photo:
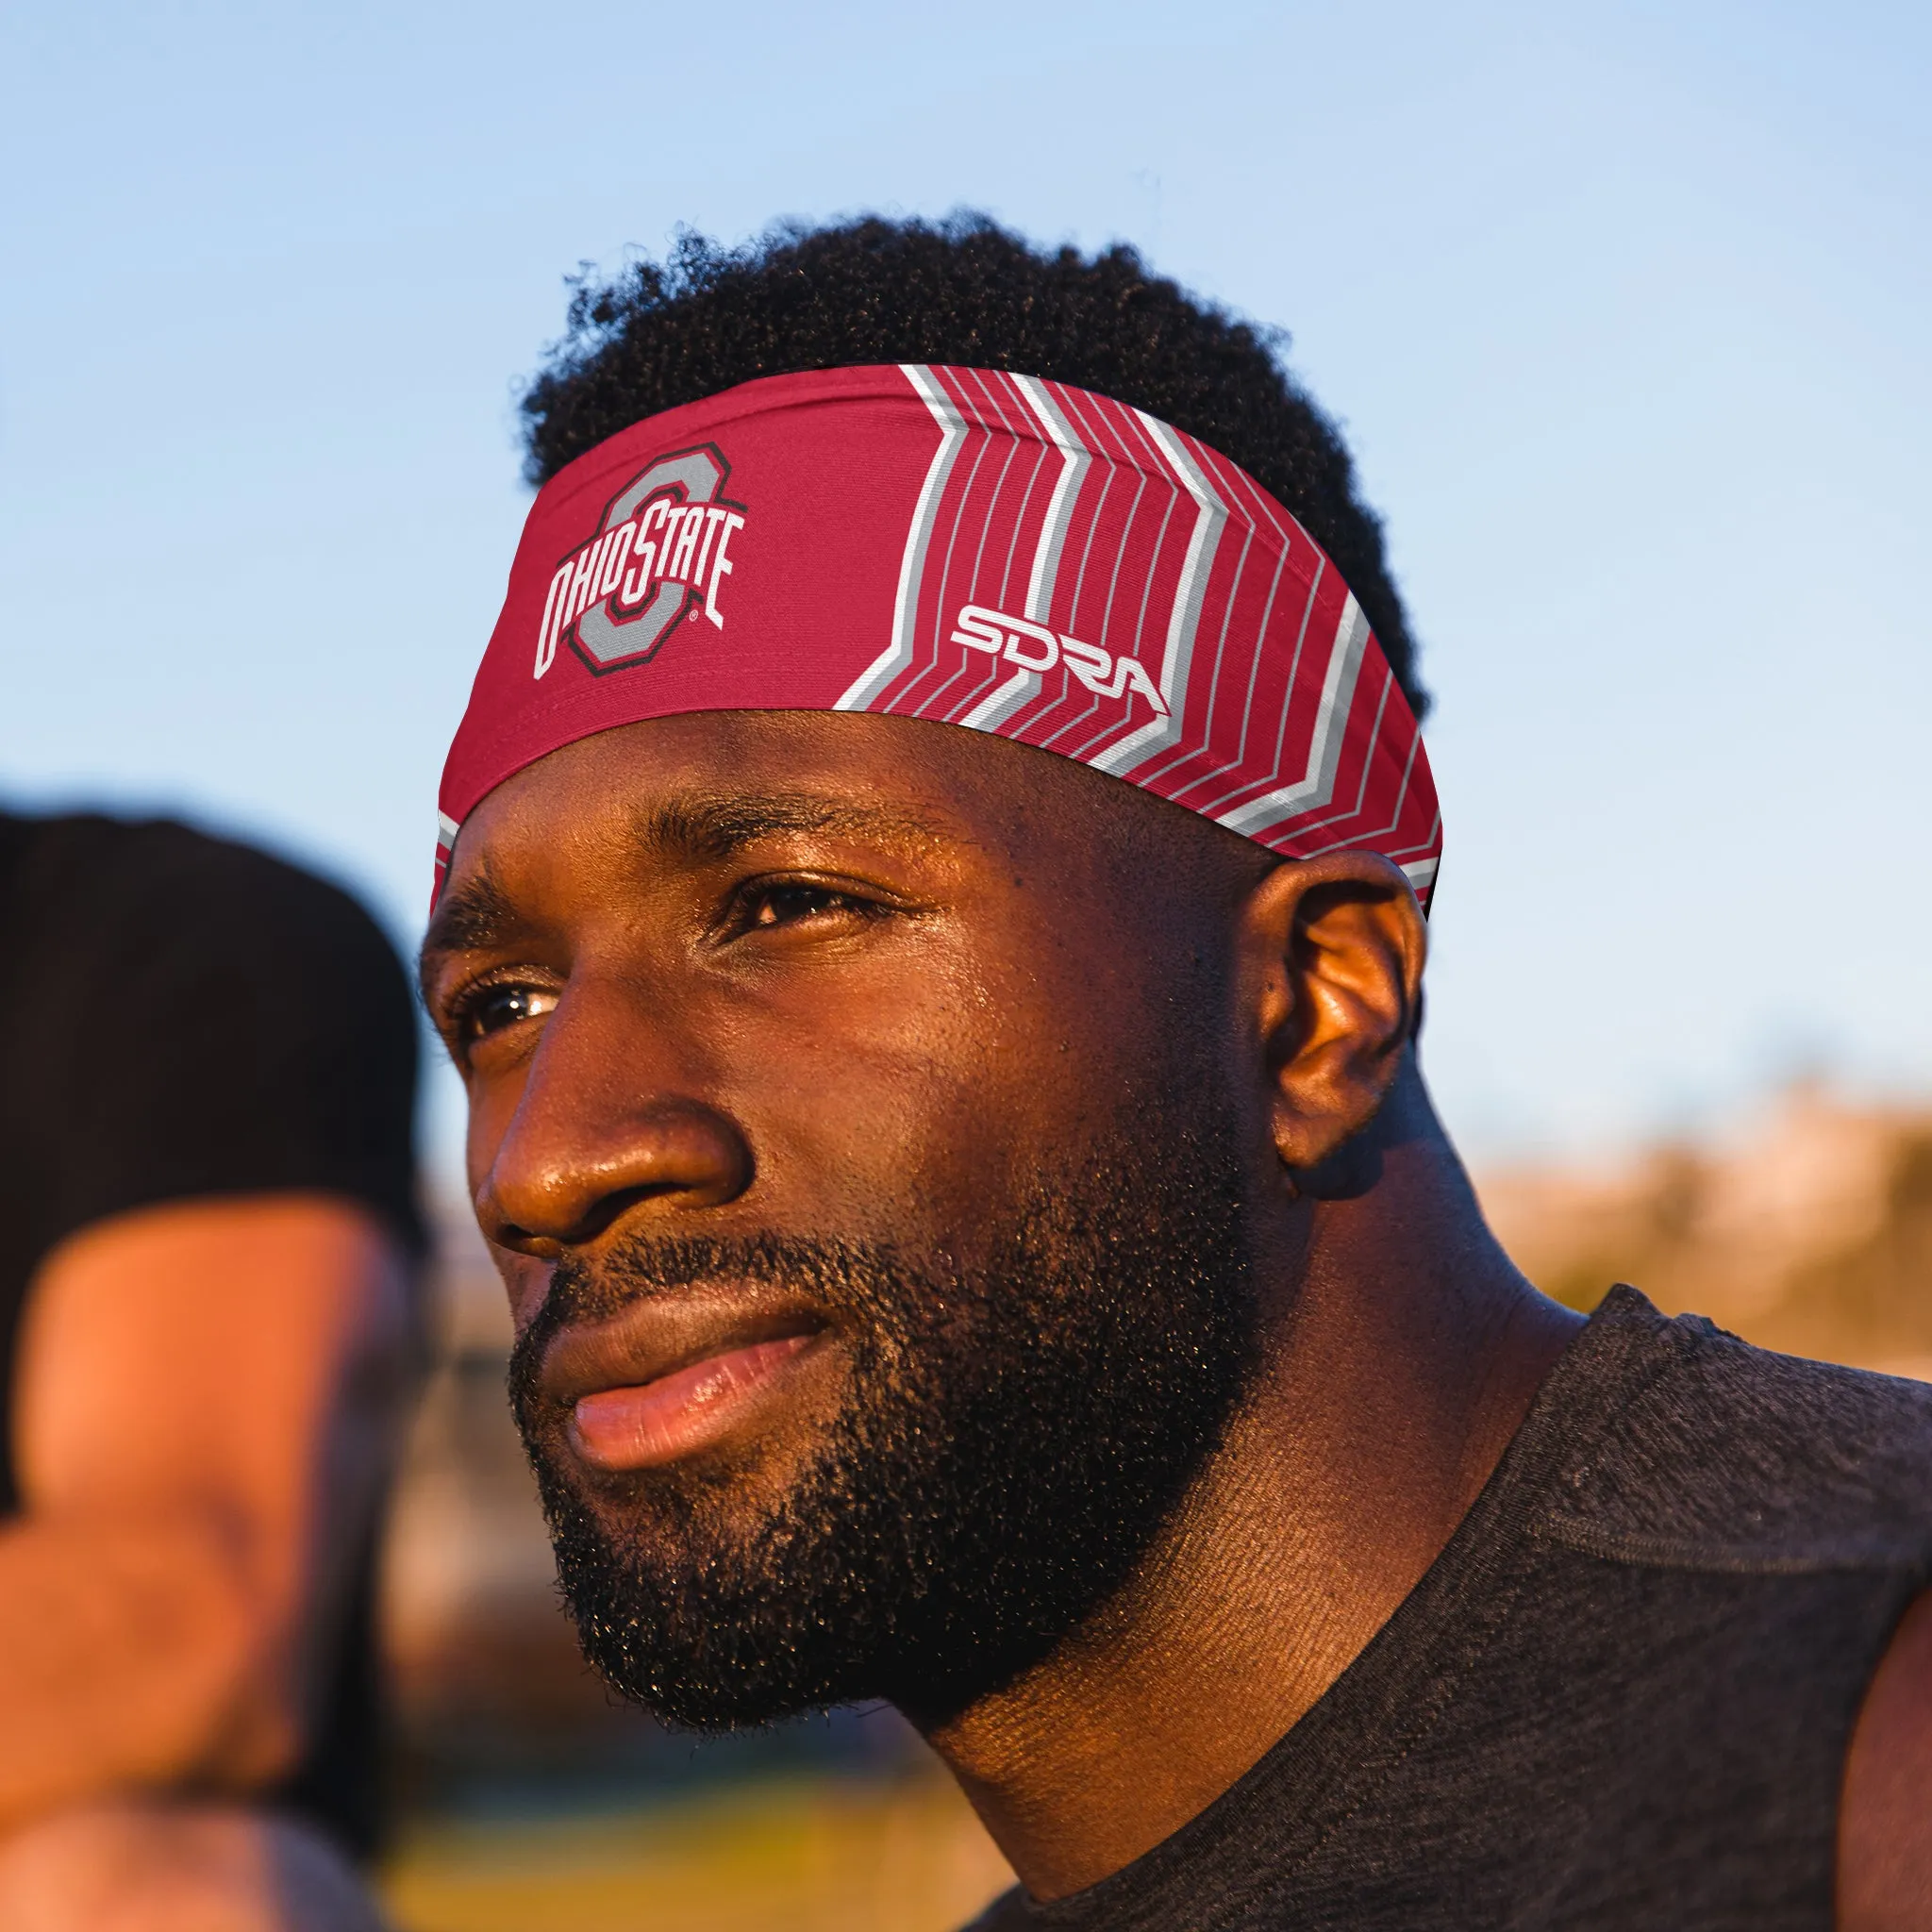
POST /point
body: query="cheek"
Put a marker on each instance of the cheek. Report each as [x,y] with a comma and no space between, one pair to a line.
[938,1083]
[890,1089]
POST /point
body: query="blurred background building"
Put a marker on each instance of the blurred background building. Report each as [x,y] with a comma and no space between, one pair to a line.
[1622,307]
[1808,1228]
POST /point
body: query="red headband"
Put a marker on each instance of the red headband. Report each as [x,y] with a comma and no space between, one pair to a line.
[994,551]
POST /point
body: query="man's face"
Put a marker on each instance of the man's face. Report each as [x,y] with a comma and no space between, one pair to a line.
[856,1114]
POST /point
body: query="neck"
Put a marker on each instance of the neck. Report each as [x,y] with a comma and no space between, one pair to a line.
[1396,1370]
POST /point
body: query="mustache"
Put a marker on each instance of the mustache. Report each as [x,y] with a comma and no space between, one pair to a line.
[840,1277]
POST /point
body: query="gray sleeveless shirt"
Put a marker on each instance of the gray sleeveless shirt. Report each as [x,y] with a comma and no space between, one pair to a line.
[1621,1698]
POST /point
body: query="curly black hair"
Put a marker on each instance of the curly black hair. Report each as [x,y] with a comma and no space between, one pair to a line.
[960,291]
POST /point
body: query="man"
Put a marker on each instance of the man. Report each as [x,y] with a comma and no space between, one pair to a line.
[976,1229]
[207,1322]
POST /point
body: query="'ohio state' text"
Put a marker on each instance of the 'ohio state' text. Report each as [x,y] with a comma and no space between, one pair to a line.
[667,543]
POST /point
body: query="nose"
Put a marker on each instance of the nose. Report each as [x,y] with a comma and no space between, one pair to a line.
[608,1122]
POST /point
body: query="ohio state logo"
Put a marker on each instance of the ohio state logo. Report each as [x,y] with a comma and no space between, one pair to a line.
[660,553]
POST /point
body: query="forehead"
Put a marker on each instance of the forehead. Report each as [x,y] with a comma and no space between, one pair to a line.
[789,772]
[940,807]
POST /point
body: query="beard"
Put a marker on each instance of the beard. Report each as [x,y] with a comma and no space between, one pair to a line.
[1014,1435]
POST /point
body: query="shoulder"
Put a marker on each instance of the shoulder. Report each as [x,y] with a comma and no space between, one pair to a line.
[1722,1455]
[1885,1833]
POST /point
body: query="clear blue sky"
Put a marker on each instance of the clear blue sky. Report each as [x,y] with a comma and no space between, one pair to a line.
[1624,309]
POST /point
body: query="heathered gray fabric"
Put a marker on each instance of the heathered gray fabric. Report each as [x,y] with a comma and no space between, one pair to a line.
[1622,1696]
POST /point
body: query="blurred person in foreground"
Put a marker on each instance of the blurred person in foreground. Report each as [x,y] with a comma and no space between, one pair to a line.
[976,1229]
[207,1313]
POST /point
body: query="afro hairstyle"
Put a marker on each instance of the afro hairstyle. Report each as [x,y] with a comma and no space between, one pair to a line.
[962,290]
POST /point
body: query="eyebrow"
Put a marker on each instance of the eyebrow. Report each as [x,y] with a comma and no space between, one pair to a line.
[704,829]
[696,828]
[474,914]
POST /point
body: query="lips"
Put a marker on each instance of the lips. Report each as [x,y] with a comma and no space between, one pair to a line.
[670,1376]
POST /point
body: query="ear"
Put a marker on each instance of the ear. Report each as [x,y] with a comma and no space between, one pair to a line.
[1332,958]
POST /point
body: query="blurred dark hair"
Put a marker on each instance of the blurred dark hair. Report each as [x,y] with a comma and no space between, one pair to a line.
[960,291]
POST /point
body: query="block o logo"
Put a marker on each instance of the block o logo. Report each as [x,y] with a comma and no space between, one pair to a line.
[661,550]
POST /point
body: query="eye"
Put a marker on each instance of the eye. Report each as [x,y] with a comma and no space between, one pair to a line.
[794,904]
[491,1009]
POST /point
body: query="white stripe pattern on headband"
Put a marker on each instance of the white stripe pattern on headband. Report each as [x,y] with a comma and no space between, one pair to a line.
[1316,785]
[1185,621]
[1024,686]
[898,653]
